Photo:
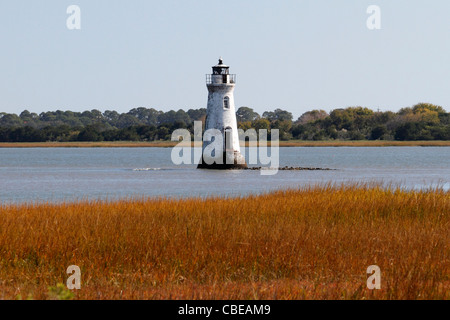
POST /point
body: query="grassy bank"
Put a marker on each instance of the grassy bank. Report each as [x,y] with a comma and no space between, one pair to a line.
[169,144]
[310,243]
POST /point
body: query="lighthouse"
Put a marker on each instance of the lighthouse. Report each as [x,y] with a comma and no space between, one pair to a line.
[221,118]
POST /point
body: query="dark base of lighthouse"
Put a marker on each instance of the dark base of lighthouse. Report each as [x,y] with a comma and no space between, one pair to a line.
[238,163]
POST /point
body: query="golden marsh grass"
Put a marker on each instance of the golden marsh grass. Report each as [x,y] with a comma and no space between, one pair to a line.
[312,243]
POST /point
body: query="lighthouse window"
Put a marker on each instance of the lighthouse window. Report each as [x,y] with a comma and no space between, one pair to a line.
[226,103]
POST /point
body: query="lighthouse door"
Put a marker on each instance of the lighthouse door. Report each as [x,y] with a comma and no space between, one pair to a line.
[228,139]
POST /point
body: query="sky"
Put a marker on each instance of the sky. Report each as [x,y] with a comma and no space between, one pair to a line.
[296,55]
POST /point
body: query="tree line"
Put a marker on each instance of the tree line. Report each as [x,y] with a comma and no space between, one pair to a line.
[423,121]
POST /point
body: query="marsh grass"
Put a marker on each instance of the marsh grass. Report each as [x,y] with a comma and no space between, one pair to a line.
[311,243]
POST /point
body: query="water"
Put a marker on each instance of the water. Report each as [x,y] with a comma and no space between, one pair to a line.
[35,174]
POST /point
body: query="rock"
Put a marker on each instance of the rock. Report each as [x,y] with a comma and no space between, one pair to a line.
[287,168]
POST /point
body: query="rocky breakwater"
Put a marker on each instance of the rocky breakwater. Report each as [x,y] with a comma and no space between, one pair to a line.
[287,168]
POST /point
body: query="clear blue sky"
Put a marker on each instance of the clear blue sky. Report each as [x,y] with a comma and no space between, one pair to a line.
[295,55]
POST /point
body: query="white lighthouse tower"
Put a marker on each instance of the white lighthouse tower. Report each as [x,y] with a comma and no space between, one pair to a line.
[221,115]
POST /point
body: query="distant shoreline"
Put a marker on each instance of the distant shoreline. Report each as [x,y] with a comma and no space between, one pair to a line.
[169,144]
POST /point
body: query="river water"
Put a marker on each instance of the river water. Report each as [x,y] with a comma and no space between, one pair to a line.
[68,174]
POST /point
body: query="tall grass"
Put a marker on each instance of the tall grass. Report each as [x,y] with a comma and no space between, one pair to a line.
[312,243]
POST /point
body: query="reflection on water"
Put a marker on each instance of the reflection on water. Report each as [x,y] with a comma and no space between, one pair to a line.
[109,173]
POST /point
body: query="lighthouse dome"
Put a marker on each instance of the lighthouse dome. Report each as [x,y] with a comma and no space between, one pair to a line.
[221,64]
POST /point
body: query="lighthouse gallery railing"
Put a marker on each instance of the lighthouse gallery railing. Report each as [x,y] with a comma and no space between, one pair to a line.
[229,78]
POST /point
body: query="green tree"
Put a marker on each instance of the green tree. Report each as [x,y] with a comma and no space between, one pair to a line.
[197,114]
[285,127]
[378,132]
[312,116]
[146,116]
[10,120]
[90,133]
[261,124]
[244,114]
[278,114]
